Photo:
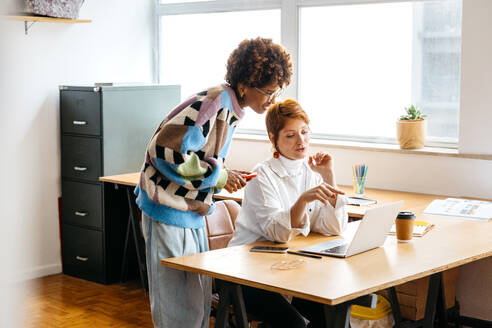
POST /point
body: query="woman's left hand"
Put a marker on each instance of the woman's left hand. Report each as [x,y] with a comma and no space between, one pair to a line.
[235,180]
[321,163]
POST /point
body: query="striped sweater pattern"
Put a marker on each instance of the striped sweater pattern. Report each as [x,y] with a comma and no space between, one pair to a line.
[184,159]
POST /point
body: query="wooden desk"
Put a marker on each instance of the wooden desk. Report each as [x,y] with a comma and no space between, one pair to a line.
[133,228]
[131,179]
[391,265]
[128,179]
[332,281]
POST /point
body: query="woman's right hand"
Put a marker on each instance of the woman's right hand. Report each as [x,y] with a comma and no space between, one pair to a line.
[324,193]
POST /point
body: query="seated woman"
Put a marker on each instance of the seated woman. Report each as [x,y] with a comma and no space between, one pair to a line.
[294,193]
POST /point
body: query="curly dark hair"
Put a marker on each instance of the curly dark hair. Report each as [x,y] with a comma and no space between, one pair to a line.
[257,63]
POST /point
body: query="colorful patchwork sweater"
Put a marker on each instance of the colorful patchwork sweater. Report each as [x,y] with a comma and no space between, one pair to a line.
[183,165]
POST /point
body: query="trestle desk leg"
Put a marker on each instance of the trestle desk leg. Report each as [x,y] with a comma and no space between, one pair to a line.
[442,314]
[230,293]
[224,303]
[395,306]
[435,288]
[338,316]
[138,238]
[124,262]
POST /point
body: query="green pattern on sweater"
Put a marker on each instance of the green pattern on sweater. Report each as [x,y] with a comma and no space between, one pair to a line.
[191,168]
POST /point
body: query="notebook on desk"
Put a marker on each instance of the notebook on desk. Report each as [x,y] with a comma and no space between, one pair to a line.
[420,228]
[370,234]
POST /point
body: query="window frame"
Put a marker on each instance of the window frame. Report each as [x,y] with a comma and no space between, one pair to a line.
[289,33]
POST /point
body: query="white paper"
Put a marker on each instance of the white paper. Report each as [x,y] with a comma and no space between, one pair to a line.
[467,208]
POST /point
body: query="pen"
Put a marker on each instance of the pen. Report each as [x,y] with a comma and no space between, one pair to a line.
[304,254]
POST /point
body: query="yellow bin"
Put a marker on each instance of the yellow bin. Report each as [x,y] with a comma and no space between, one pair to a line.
[379,317]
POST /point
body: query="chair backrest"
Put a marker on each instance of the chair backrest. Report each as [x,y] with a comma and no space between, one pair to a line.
[220,224]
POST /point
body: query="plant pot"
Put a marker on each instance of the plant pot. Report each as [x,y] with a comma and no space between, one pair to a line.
[411,133]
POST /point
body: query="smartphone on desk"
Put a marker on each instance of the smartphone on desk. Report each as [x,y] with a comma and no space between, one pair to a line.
[269,249]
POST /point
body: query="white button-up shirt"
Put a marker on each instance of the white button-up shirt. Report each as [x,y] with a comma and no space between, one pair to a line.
[268,198]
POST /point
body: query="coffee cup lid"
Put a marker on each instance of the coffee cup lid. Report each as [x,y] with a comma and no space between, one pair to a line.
[406,215]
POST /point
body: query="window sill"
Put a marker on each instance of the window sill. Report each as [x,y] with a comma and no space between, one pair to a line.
[366,146]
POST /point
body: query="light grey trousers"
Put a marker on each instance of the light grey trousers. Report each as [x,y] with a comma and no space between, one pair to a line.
[177,298]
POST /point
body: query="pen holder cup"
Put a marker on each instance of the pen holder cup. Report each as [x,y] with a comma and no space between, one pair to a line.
[359,186]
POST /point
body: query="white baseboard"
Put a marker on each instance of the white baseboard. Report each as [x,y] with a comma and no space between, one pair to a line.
[39,271]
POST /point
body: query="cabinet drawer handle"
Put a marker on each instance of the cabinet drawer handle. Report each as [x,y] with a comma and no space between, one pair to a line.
[80,213]
[79,168]
[79,123]
[80,258]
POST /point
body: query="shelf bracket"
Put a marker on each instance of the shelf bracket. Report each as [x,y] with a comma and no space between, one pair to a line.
[27,26]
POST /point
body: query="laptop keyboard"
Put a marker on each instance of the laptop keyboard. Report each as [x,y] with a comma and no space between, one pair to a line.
[336,246]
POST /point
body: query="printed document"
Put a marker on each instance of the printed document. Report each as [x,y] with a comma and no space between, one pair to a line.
[467,208]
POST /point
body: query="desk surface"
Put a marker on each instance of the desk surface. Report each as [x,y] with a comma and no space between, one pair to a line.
[131,179]
[453,242]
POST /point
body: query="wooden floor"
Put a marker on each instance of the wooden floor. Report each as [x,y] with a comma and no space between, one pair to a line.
[64,301]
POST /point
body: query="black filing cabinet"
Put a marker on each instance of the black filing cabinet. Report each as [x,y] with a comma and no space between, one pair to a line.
[104,131]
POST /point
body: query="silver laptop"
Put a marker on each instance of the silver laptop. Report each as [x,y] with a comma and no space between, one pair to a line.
[371,233]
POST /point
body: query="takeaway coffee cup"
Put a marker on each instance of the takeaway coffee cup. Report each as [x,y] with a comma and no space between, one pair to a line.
[404,226]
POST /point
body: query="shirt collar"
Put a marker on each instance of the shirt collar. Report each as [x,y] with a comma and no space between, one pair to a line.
[277,166]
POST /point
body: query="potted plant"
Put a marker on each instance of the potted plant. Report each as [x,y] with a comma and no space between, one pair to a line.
[411,129]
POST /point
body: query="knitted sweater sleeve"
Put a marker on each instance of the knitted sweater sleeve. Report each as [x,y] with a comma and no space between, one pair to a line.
[180,149]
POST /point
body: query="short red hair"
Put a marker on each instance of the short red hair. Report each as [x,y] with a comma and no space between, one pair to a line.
[279,113]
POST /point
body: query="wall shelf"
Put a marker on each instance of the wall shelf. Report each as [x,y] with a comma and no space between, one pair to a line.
[33,19]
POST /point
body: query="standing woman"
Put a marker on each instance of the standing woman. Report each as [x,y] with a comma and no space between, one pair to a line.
[184,167]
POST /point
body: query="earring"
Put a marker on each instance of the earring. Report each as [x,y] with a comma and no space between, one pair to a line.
[241,94]
[275,152]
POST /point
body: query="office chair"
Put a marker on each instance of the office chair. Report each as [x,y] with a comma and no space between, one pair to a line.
[220,228]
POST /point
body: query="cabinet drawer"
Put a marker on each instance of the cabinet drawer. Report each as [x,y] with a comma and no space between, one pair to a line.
[80,112]
[83,253]
[82,204]
[81,158]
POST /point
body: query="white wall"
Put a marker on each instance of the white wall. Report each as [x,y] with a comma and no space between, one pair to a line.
[476,68]
[451,176]
[116,46]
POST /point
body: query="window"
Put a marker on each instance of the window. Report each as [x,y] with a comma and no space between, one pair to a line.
[373,60]
[355,76]
[196,57]
[358,65]
[437,91]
